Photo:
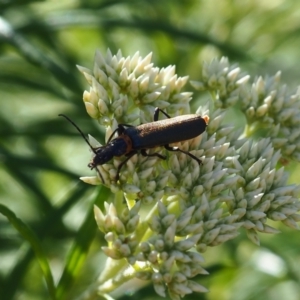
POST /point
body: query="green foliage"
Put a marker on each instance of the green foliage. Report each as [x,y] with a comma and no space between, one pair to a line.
[42,157]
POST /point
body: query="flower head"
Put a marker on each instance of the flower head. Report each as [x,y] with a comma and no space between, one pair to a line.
[190,207]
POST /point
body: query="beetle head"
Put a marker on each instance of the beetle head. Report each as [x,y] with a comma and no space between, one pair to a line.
[103,154]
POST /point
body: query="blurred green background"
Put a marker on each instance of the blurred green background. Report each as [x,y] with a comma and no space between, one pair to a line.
[42,156]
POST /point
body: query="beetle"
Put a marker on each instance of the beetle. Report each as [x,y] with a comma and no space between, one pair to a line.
[134,139]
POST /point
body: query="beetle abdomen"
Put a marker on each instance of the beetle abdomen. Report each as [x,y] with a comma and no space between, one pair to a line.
[166,131]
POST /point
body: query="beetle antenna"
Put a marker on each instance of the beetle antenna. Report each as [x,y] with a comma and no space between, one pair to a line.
[79,130]
[87,141]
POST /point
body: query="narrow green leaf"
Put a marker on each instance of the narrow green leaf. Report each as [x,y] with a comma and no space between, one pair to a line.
[79,250]
[30,236]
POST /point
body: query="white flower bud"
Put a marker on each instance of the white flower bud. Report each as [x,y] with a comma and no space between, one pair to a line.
[212,81]
[131,189]
[211,235]
[148,98]
[243,80]
[259,86]
[232,75]
[159,245]
[158,195]
[84,70]
[185,245]
[196,287]
[180,289]
[240,212]
[133,88]
[259,226]
[179,277]
[248,224]
[89,77]
[145,173]
[284,190]
[91,110]
[286,114]
[210,224]
[269,229]
[93,180]
[197,269]
[103,109]
[192,229]
[255,199]
[160,289]
[125,250]
[198,85]
[114,254]
[230,228]
[181,82]
[276,216]
[265,206]
[288,210]
[261,110]
[99,217]
[254,170]
[290,223]
[168,220]
[143,64]
[295,217]
[118,225]
[255,215]
[250,112]
[133,223]
[289,149]
[252,235]
[230,101]
[130,118]
[222,238]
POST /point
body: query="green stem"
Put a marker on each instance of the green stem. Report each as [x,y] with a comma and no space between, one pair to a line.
[250,130]
[116,273]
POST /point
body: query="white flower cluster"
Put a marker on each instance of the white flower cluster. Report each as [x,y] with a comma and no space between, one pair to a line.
[190,207]
[222,80]
[263,192]
[272,110]
[124,90]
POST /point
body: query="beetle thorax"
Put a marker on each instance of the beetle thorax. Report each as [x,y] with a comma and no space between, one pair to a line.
[104,154]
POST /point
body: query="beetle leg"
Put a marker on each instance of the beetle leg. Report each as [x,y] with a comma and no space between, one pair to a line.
[156,112]
[144,153]
[112,135]
[100,175]
[169,148]
[120,129]
[129,155]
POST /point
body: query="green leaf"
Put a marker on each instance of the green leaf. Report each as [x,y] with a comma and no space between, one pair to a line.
[30,236]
